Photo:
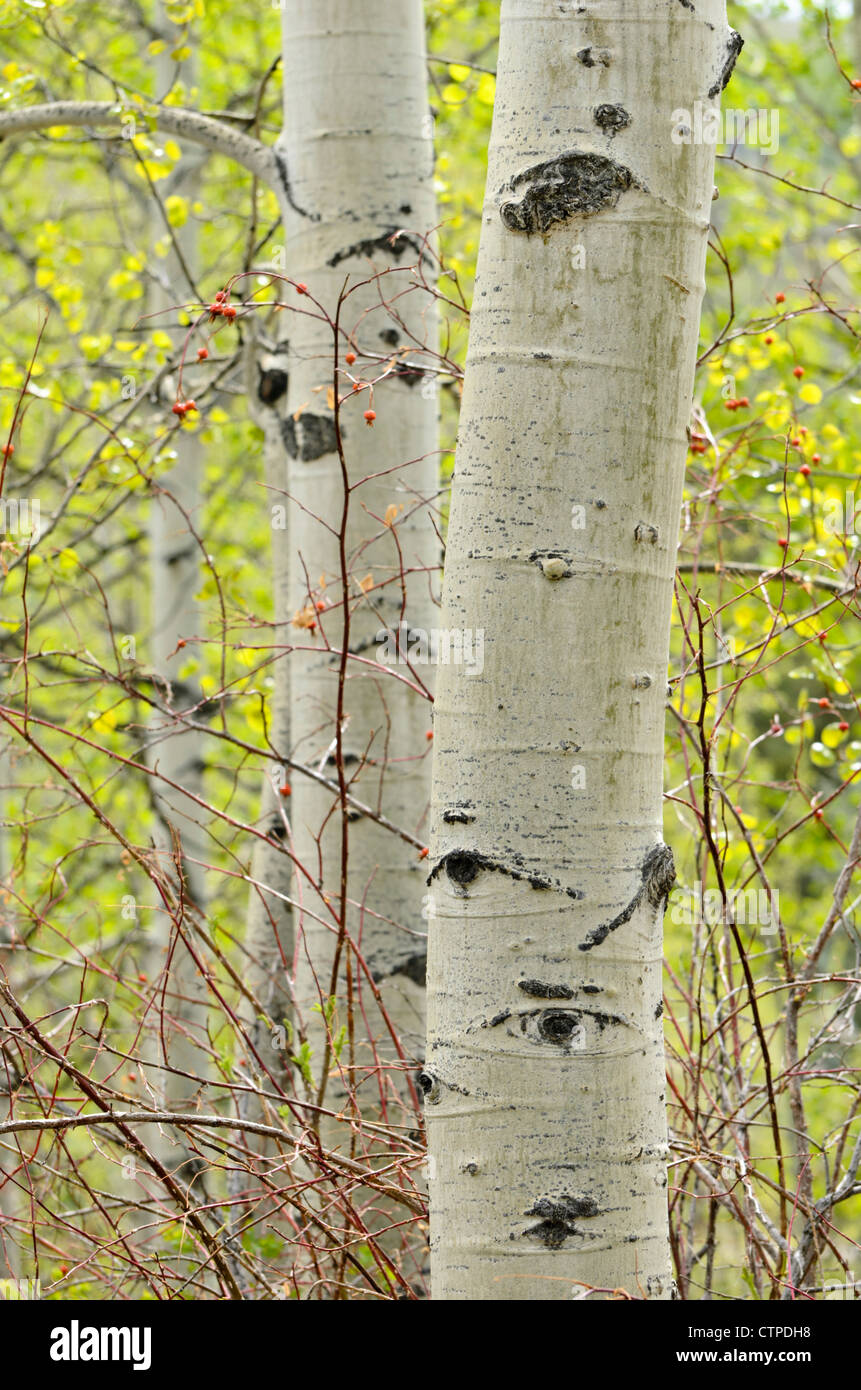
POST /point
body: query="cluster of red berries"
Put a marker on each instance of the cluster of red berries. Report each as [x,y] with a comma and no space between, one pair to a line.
[698,444]
[182,408]
[219,308]
[737,403]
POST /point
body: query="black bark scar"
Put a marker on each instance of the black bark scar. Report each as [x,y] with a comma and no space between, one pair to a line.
[734,46]
[392,243]
[281,166]
[309,437]
[536,990]
[559,1215]
[413,966]
[659,875]
[611,117]
[571,185]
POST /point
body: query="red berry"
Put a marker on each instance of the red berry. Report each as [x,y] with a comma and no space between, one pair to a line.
[843,726]
[429,734]
[824,702]
[804,471]
[744,401]
[424,853]
[731,404]
[769,339]
[779,297]
[285,789]
[301,288]
[142,977]
[229,311]
[202,354]
[856,83]
[190,405]
[181,642]
[320,605]
[64,1269]
[782,541]
[8,450]
[370,416]
[818,814]
[817,458]
[178,408]
[350,358]
[798,371]
[795,442]
[215,310]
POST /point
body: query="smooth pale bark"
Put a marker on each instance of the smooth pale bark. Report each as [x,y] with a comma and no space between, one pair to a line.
[175,577]
[544,1079]
[268,944]
[358,163]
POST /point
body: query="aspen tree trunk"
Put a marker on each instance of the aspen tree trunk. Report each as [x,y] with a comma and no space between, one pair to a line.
[544,1080]
[357,163]
[268,945]
[174,582]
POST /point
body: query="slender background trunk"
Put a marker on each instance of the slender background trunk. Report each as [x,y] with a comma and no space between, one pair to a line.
[175,580]
[358,161]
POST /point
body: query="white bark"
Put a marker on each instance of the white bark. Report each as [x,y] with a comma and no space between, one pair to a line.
[358,162]
[545,1074]
[175,576]
[268,944]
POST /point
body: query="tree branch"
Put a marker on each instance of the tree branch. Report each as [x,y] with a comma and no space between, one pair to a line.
[173,120]
[411,1200]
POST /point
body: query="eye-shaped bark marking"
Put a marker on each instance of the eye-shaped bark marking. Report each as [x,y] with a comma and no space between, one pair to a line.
[571,185]
[431,1088]
[463,866]
[558,1216]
